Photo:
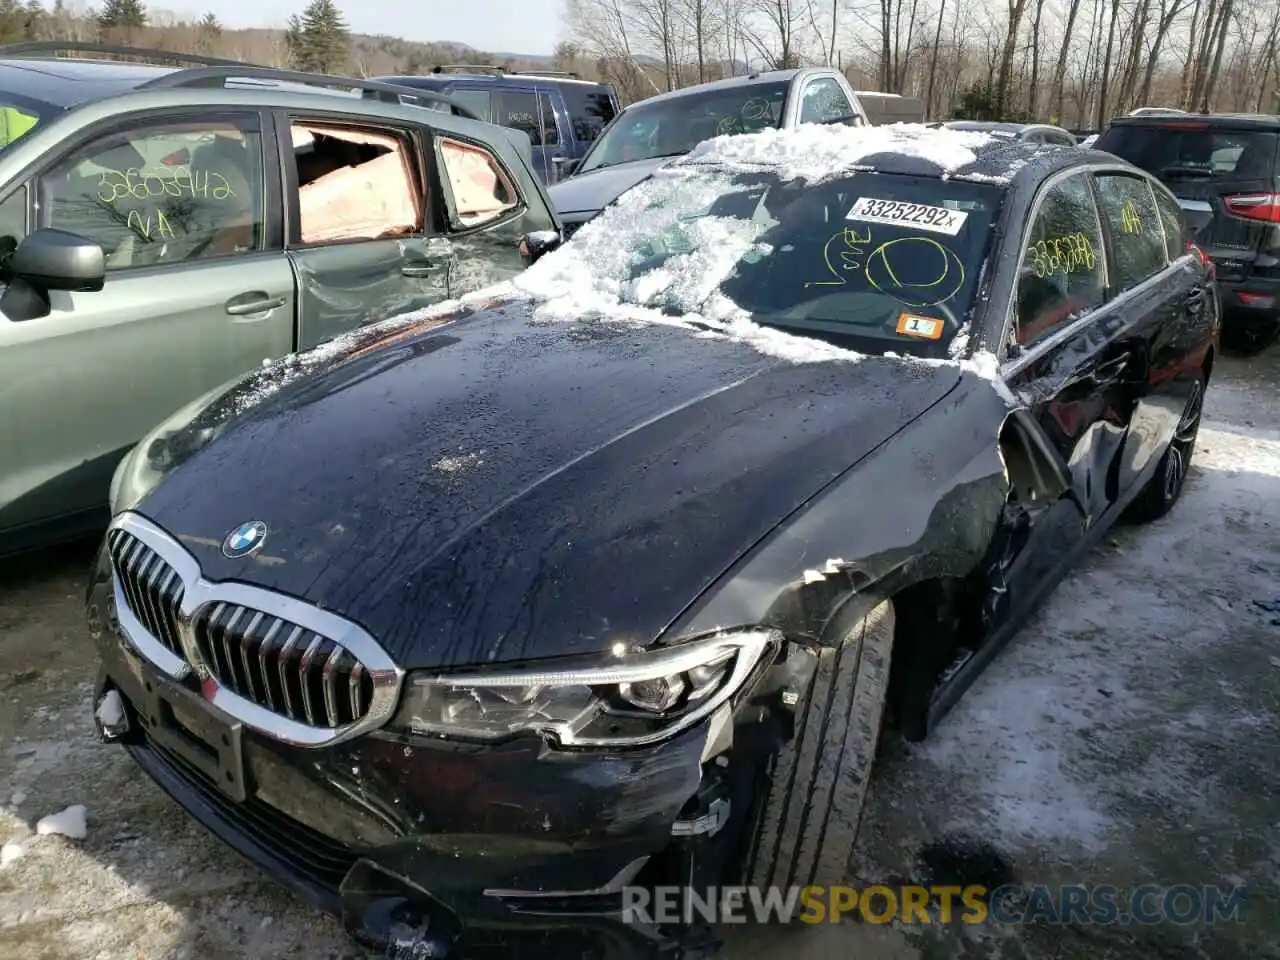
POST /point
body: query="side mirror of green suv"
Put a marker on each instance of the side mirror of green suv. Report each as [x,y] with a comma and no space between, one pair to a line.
[47,260]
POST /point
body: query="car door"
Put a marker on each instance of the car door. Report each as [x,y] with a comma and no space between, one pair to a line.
[489,209]
[1156,301]
[198,289]
[361,231]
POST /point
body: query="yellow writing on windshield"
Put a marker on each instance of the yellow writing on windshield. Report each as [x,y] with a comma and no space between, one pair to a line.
[1130,217]
[916,271]
[1073,253]
[844,248]
[117,185]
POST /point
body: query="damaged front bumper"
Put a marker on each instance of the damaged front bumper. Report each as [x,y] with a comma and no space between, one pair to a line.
[428,847]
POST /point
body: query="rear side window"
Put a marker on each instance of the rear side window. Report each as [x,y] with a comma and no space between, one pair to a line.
[1174,227]
[1175,153]
[526,111]
[477,101]
[1129,208]
[590,110]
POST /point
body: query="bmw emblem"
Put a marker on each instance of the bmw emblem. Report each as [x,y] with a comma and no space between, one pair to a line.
[244,539]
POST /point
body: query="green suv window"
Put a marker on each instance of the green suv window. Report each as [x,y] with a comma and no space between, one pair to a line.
[161,193]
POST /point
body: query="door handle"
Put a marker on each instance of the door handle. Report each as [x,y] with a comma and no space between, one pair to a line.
[419,269]
[256,301]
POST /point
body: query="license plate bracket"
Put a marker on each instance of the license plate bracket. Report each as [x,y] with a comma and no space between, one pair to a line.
[201,738]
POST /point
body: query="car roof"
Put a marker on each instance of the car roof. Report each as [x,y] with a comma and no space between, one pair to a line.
[1192,121]
[438,81]
[65,83]
[985,126]
[732,83]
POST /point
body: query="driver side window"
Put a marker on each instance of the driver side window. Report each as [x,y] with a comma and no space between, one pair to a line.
[161,193]
[1063,269]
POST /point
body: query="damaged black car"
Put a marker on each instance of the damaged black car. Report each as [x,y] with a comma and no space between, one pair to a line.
[613,578]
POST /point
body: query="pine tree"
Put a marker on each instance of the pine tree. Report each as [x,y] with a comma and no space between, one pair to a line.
[122,13]
[319,41]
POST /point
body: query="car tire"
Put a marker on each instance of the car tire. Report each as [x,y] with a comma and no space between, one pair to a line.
[1165,486]
[810,815]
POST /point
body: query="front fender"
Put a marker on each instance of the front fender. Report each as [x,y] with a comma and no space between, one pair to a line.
[923,505]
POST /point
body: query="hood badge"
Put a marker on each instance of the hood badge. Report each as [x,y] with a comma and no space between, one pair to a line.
[244,539]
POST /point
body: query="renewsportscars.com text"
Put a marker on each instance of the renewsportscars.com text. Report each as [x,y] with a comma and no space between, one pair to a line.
[1149,904]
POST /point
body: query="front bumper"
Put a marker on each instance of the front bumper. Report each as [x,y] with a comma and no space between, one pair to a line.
[507,850]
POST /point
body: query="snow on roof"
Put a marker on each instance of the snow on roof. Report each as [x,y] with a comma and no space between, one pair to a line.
[816,152]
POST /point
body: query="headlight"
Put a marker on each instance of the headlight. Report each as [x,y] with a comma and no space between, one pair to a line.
[631,700]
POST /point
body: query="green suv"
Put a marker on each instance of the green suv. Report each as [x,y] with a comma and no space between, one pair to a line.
[164,230]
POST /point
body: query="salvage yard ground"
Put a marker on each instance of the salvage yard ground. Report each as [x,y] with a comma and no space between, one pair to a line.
[1131,734]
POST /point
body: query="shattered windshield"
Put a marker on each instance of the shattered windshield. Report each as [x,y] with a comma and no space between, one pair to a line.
[866,261]
[672,127]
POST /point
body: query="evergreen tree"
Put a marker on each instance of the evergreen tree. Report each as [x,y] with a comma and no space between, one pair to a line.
[319,41]
[122,13]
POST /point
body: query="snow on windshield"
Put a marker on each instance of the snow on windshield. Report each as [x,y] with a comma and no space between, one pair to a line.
[659,254]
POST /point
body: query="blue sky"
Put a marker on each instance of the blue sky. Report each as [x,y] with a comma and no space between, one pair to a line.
[518,26]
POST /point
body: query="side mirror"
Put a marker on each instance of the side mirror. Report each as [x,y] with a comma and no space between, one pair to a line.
[534,246]
[59,260]
[47,260]
[566,165]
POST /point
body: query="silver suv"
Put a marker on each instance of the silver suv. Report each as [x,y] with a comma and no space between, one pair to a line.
[164,230]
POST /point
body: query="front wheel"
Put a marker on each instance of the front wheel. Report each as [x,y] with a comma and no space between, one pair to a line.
[812,810]
[1165,488]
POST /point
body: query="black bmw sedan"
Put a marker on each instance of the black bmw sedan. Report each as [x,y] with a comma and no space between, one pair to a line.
[471,624]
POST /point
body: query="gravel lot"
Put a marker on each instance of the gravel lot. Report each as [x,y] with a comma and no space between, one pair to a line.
[1130,734]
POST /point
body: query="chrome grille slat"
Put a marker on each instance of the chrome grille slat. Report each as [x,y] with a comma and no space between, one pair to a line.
[245,642]
[304,668]
[284,675]
[263,652]
[357,701]
[324,677]
[330,678]
[227,652]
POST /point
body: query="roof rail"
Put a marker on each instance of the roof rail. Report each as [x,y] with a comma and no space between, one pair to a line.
[220,75]
[44,49]
[550,73]
[470,68]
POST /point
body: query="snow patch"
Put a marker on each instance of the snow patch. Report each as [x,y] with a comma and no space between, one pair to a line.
[110,711]
[818,152]
[11,852]
[70,822]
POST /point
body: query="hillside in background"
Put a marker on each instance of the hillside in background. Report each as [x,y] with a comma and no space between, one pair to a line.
[369,55]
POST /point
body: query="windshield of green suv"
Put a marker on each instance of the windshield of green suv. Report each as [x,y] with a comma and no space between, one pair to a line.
[871,262]
[673,126]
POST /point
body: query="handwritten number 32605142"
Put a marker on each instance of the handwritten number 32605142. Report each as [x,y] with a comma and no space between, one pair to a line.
[117,185]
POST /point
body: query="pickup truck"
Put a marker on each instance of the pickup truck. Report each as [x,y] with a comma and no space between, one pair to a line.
[651,132]
[163,232]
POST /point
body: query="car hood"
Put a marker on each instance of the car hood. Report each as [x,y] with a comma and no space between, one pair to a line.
[596,189]
[498,489]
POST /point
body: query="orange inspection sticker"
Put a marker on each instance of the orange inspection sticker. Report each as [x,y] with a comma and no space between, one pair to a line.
[926,328]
